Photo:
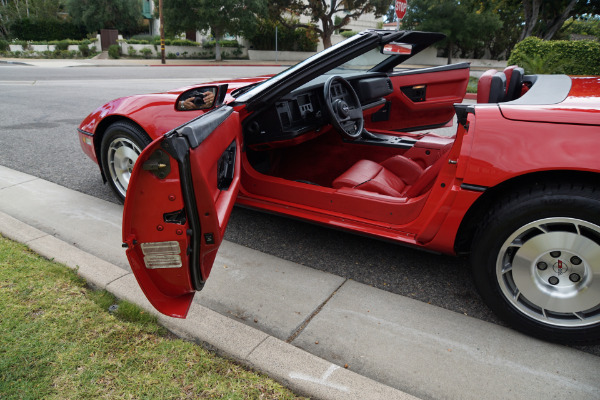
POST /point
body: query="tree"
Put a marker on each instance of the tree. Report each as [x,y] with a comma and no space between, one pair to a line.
[325,11]
[124,15]
[509,12]
[467,24]
[12,11]
[236,17]
[543,18]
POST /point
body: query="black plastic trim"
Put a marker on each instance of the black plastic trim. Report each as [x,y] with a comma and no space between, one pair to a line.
[84,132]
[439,68]
[473,188]
[179,148]
[199,129]
[462,111]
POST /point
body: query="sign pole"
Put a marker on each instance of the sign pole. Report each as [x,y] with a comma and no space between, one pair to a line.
[162,32]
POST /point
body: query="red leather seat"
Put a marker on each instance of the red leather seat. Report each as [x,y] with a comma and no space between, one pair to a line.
[491,87]
[397,176]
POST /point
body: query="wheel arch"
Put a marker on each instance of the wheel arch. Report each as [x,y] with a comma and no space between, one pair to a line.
[99,135]
[494,195]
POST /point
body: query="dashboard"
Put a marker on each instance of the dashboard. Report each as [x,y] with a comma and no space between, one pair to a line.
[303,113]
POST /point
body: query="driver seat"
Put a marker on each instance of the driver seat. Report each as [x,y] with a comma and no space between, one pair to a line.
[398,176]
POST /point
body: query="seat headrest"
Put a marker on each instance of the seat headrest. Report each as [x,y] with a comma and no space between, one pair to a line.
[491,87]
[514,82]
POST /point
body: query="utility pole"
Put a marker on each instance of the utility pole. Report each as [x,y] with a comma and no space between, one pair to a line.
[162,32]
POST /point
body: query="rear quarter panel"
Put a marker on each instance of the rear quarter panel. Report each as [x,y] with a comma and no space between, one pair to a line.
[504,148]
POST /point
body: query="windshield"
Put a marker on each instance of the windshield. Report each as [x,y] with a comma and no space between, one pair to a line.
[282,75]
[362,63]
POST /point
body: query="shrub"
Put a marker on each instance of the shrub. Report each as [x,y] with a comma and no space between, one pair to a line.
[182,42]
[62,45]
[155,40]
[131,51]
[589,27]
[557,56]
[171,55]
[143,37]
[146,52]
[46,29]
[85,49]
[288,39]
[348,34]
[136,41]
[114,51]
[224,43]
[4,45]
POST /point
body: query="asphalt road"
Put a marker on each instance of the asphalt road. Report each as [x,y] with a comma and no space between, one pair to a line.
[40,109]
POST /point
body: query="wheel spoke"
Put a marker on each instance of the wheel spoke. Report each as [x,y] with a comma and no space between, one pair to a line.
[122,154]
[548,270]
[580,316]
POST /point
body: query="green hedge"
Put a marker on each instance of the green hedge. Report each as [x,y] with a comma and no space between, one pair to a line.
[535,55]
[224,43]
[147,39]
[45,29]
[288,39]
[348,34]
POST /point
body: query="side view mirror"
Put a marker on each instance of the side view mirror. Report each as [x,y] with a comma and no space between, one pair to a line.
[200,98]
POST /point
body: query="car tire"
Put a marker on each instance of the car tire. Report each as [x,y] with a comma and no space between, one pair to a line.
[121,145]
[536,262]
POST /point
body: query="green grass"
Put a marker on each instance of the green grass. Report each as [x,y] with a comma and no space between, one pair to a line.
[58,341]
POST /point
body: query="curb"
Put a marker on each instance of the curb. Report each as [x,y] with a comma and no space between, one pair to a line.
[302,372]
[14,62]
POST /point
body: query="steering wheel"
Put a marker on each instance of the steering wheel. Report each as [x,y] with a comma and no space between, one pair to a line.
[344,107]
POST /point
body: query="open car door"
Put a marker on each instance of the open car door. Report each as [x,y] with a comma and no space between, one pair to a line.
[182,189]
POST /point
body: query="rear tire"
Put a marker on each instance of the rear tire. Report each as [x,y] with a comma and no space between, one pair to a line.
[121,145]
[536,262]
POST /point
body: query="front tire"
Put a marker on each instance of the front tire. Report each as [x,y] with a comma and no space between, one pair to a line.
[536,262]
[122,143]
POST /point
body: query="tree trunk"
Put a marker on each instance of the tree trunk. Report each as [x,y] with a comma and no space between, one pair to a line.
[217,45]
[327,31]
[326,40]
[559,21]
[531,10]
[450,51]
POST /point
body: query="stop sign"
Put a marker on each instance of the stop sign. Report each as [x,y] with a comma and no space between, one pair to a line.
[400,8]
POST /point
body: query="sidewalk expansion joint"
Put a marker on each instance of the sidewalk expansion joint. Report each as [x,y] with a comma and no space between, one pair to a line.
[305,323]
[19,184]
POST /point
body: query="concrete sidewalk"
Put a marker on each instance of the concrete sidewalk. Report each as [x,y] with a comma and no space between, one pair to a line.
[302,326]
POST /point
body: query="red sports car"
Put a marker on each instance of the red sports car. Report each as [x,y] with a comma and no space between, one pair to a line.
[347,138]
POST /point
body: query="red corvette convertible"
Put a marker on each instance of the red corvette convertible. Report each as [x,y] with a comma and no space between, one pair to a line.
[347,138]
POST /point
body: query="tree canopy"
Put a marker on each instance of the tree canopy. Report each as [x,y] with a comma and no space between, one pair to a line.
[543,18]
[467,24]
[236,17]
[325,11]
[12,11]
[124,15]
